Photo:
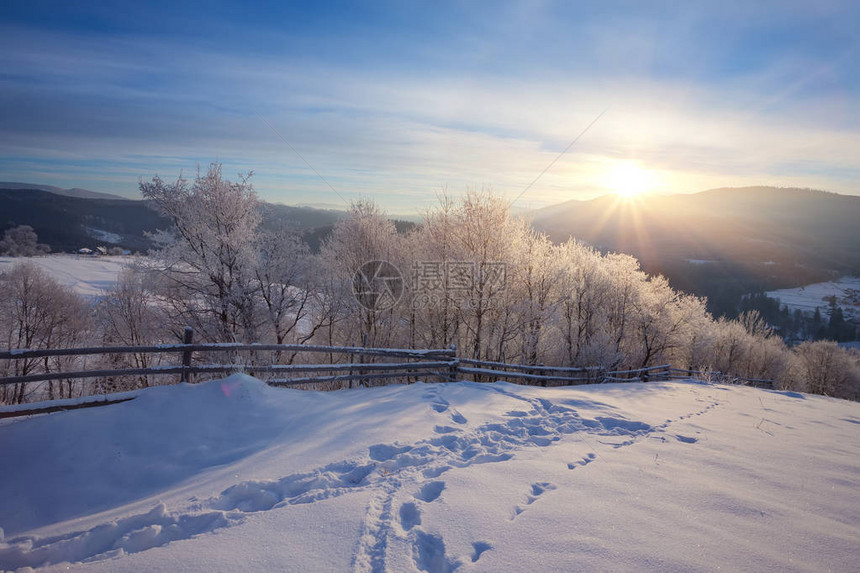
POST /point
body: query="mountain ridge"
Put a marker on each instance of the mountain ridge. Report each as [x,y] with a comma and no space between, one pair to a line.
[67,222]
[786,215]
[753,238]
[70,192]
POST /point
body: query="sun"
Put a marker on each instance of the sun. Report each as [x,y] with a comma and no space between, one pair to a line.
[628,179]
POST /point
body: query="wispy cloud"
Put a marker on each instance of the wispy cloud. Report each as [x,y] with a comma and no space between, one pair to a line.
[102,109]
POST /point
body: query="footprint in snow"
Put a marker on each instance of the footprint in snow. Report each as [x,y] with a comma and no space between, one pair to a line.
[384,452]
[430,491]
[410,515]
[480,547]
[441,405]
[429,552]
[537,490]
[583,462]
[445,429]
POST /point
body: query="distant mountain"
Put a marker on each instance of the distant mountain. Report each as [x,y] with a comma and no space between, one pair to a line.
[73,192]
[762,237]
[275,214]
[67,223]
[323,206]
[752,224]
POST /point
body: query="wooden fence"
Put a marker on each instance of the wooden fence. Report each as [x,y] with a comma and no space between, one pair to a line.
[715,376]
[373,364]
[558,375]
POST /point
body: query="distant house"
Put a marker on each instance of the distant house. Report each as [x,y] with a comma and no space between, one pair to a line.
[91,252]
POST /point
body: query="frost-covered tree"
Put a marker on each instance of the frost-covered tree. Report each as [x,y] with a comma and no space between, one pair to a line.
[365,234]
[485,236]
[433,313]
[130,314]
[768,359]
[825,368]
[287,287]
[627,284]
[22,241]
[755,324]
[37,312]
[207,259]
[662,321]
[535,276]
[581,318]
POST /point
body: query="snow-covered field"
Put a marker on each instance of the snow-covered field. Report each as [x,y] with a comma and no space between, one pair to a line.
[87,275]
[808,298]
[234,475]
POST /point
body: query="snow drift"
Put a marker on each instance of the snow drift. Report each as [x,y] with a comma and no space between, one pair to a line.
[234,475]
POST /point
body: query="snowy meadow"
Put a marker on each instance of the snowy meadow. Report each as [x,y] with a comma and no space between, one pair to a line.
[235,475]
[84,275]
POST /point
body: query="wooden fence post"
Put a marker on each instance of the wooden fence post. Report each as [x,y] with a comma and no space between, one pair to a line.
[454,369]
[363,382]
[186,355]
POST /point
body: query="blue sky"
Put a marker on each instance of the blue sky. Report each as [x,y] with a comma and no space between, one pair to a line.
[396,100]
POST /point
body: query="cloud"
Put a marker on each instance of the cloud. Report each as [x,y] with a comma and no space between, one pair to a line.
[104,110]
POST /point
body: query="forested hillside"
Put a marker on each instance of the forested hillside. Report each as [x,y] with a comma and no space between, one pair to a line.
[67,223]
[470,275]
[721,243]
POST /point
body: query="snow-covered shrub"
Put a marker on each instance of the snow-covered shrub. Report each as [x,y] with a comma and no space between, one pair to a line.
[22,241]
[823,367]
[37,312]
[131,314]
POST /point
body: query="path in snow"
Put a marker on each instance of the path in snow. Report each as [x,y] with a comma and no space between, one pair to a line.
[388,469]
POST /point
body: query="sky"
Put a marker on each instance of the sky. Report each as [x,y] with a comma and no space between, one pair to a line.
[327,102]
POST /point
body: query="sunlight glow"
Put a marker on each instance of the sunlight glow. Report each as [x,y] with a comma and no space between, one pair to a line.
[629,179]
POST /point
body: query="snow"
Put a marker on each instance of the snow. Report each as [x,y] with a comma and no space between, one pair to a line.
[66,402]
[86,275]
[809,297]
[235,475]
[103,235]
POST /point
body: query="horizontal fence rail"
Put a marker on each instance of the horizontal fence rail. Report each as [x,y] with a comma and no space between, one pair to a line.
[411,372]
[529,368]
[681,374]
[225,368]
[502,374]
[545,374]
[222,347]
[50,408]
[398,364]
